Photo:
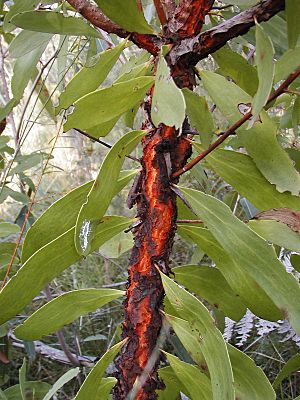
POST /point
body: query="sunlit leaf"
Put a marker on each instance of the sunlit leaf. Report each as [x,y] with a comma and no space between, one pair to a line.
[89,78]
[105,105]
[168,104]
[67,377]
[127,14]
[103,190]
[13,298]
[61,311]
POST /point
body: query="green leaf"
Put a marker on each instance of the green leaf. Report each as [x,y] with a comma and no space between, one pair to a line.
[36,390]
[252,253]
[118,245]
[2,395]
[240,171]
[240,281]
[16,8]
[127,14]
[25,162]
[173,385]
[292,365]
[90,389]
[199,116]
[61,311]
[265,68]
[250,382]
[54,22]
[292,10]
[6,229]
[89,78]
[67,377]
[105,387]
[295,261]
[237,67]
[197,384]
[27,41]
[4,111]
[107,104]
[31,276]
[168,104]
[62,215]
[260,141]
[210,338]
[210,284]
[103,190]
[277,233]
[24,68]
[287,64]
[22,379]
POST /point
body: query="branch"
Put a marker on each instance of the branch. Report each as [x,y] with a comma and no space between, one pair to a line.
[96,17]
[160,12]
[281,89]
[198,48]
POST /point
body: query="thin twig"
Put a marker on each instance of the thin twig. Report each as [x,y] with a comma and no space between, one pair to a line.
[109,146]
[160,12]
[189,221]
[281,89]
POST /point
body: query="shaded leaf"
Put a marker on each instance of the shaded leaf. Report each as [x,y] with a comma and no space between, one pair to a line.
[168,104]
[62,215]
[260,141]
[295,261]
[107,104]
[265,68]
[13,298]
[16,8]
[277,233]
[6,229]
[210,284]
[118,245]
[103,190]
[36,390]
[237,277]
[127,14]
[173,385]
[196,383]
[53,22]
[292,10]
[22,379]
[89,78]
[199,116]
[27,41]
[287,64]
[284,215]
[210,338]
[252,253]
[292,365]
[90,389]
[61,311]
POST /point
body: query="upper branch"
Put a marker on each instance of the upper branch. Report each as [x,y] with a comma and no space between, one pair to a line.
[96,17]
[199,47]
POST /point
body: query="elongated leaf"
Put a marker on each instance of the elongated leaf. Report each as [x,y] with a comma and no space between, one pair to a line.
[210,284]
[105,388]
[260,141]
[168,104]
[287,64]
[61,311]
[265,68]
[90,388]
[27,41]
[292,8]
[277,233]
[105,105]
[22,379]
[31,276]
[127,14]
[61,216]
[172,383]
[90,78]
[237,67]
[250,382]
[103,191]
[36,390]
[16,8]
[68,376]
[53,22]
[295,261]
[237,277]
[241,172]
[251,252]
[7,229]
[2,395]
[292,365]
[197,384]
[199,116]
[210,338]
